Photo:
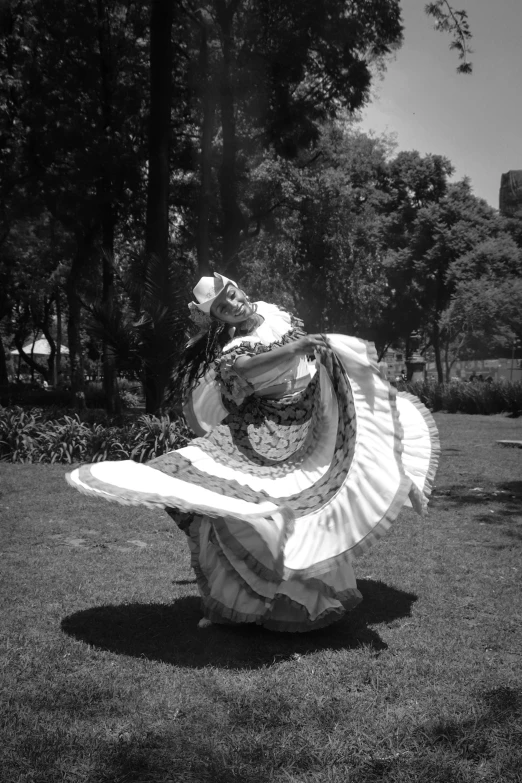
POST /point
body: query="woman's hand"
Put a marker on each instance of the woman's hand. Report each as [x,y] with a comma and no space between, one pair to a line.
[308,344]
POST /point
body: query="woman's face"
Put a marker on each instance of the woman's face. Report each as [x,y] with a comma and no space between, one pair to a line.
[231,306]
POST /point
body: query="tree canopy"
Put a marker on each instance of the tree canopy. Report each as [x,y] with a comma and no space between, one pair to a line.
[145,144]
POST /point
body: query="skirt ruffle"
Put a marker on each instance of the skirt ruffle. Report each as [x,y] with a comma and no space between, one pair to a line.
[280,497]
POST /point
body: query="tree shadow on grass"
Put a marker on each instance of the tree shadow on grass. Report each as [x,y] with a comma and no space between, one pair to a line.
[477,737]
[169,633]
[504,498]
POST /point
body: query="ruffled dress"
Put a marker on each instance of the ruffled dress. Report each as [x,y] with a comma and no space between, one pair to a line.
[294,473]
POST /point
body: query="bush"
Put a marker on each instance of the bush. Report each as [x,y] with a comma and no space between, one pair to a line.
[152,437]
[31,395]
[477,397]
[18,435]
[63,441]
[33,436]
[130,399]
[24,394]
[131,393]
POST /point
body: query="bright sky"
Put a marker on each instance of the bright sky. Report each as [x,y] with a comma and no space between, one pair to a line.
[476,120]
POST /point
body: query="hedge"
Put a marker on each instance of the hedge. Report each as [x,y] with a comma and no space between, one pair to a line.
[31,436]
[469,397]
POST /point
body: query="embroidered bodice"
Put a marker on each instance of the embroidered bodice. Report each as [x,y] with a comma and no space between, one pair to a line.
[292,374]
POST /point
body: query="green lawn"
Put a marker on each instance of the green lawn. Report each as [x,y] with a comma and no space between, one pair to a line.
[106,678]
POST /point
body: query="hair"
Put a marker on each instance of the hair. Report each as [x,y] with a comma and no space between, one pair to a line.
[197,357]
[200,353]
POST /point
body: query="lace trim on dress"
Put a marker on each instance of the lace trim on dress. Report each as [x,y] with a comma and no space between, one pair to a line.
[233,385]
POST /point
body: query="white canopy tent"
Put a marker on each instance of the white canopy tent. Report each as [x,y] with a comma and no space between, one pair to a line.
[40,348]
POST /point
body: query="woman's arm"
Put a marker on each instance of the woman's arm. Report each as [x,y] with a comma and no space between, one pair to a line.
[250,366]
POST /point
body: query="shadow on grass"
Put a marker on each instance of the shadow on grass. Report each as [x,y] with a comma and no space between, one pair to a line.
[482,737]
[504,499]
[486,745]
[169,633]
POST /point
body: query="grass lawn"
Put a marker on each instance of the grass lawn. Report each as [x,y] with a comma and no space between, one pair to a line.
[106,678]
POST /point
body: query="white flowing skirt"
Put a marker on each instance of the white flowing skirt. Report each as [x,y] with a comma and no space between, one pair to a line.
[280,496]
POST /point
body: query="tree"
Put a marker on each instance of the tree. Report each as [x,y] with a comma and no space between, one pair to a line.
[443,247]
[250,87]
[278,72]
[318,248]
[78,94]
[486,306]
[411,183]
[449,20]
[157,221]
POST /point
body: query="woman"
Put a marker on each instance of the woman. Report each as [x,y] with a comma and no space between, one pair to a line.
[305,456]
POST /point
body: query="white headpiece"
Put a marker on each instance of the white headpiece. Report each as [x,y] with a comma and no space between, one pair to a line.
[206,292]
[208,289]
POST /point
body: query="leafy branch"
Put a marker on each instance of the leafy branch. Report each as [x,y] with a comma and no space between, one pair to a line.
[447,20]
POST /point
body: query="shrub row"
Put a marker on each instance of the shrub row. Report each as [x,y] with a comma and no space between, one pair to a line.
[464,397]
[53,435]
[31,436]
[34,396]
[21,394]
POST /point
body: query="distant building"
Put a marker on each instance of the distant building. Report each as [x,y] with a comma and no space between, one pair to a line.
[392,365]
[504,369]
[510,195]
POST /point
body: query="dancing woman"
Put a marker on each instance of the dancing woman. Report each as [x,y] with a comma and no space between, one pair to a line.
[304,457]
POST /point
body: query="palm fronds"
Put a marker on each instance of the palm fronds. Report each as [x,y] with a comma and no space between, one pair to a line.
[146,330]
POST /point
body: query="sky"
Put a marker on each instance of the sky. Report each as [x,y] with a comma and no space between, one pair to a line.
[476,120]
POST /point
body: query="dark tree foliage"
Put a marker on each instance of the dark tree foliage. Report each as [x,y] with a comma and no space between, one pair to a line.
[270,74]
[142,143]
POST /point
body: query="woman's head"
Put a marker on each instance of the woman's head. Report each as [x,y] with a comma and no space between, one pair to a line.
[219,305]
[231,306]
[220,298]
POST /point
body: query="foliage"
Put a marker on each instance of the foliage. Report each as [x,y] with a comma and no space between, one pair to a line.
[487,398]
[271,76]
[19,431]
[367,242]
[152,436]
[21,394]
[437,247]
[146,335]
[31,436]
[449,20]
[325,237]
[489,305]
[248,86]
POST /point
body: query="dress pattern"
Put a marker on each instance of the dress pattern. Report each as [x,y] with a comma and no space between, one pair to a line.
[301,470]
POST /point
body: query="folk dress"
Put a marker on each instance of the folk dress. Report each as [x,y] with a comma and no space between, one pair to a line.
[295,472]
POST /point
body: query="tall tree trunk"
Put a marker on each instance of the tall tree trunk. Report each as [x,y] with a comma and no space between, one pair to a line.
[207,129]
[106,201]
[157,221]
[439,309]
[4,378]
[435,341]
[45,326]
[29,359]
[233,220]
[58,357]
[74,318]
[447,364]
[110,383]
